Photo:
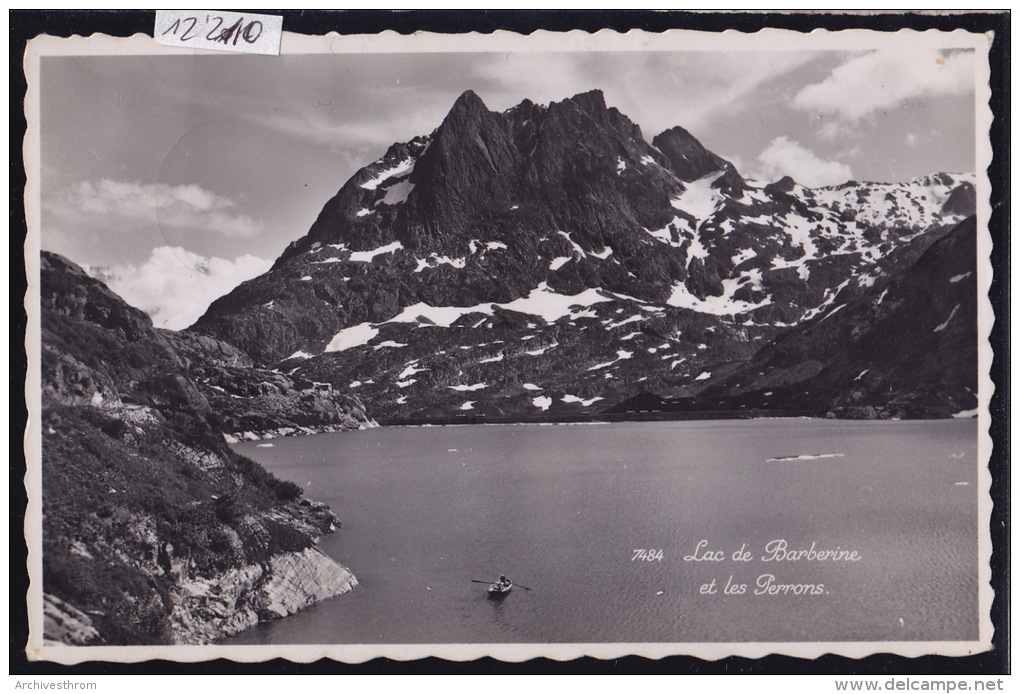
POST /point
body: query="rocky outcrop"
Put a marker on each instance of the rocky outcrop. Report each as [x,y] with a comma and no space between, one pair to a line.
[64,623]
[154,531]
[209,609]
[297,580]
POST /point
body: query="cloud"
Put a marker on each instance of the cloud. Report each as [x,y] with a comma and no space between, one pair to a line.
[656,89]
[175,286]
[886,79]
[784,157]
[836,129]
[179,207]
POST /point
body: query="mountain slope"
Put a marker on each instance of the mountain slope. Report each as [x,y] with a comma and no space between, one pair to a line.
[548,259]
[154,531]
[904,347]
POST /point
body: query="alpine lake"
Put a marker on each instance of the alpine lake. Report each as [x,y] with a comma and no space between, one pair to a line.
[766,530]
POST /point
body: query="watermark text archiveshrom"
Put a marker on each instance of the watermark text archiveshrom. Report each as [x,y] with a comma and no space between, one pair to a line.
[66,684]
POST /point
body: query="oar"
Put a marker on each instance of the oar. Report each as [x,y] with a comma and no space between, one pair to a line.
[474,580]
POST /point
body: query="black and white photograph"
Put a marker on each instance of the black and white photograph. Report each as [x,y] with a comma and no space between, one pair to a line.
[548,345]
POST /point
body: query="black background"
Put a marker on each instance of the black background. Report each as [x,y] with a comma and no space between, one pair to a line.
[25,25]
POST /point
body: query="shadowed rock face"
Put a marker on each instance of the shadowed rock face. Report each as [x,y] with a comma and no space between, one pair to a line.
[548,259]
[154,531]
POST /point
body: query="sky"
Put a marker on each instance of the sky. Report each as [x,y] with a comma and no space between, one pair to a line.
[184,175]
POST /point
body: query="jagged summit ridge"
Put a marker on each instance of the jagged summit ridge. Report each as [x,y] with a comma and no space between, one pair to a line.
[560,225]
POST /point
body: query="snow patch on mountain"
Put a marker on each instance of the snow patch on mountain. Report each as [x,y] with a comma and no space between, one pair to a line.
[464,388]
[541,350]
[803,271]
[799,229]
[552,306]
[695,248]
[625,321]
[742,255]
[829,298]
[832,313]
[355,336]
[443,316]
[699,199]
[580,251]
[474,245]
[410,369]
[943,326]
[665,234]
[368,256]
[621,354]
[435,260]
[724,305]
[400,169]
[397,193]
[581,401]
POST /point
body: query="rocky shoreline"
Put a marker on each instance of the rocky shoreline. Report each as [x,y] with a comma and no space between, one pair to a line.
[206,610]
[283,432]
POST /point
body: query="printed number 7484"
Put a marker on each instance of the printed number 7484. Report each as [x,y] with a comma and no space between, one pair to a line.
[647,555]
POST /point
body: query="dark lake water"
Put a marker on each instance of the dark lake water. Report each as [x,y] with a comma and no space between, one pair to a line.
[562,509]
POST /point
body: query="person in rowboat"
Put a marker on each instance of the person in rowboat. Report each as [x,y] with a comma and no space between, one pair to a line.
[504,582]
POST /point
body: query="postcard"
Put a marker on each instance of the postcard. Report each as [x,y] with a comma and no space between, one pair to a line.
[549,345]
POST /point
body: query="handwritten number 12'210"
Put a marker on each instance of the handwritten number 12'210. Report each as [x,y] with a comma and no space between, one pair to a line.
[249,33]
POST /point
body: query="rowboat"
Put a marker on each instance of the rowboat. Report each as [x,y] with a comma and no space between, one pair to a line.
[499,589]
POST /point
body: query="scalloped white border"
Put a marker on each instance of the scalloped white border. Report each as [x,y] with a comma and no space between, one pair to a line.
[502,41]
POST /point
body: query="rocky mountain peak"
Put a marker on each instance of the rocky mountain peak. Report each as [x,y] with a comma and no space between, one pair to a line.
[962,201]
[690,160]
[588,111]
[593,101]
[468,106]
[784,185]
